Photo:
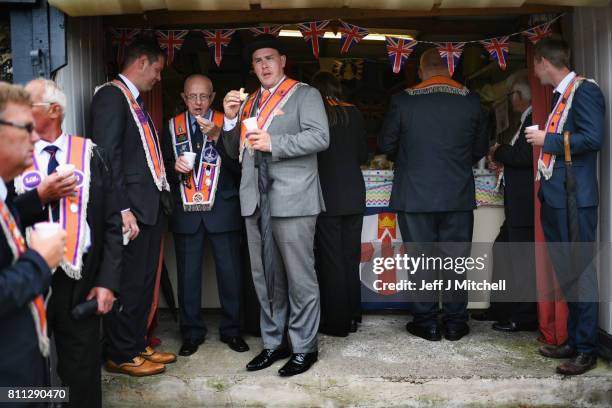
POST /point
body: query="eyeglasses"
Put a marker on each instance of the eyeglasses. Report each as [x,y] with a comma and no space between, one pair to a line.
[29,127]
[201,97]
[42,104]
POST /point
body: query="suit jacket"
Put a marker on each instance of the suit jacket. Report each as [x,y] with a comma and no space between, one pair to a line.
[224,216]
[114,129]
[585,121]
[297,135]
[341,178]
[102,262]
[436,138]
[518,179]
[20,282]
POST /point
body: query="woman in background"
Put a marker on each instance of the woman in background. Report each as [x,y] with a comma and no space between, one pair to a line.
[338,231]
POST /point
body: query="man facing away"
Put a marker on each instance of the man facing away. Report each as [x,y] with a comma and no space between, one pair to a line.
[437,131]
[292,128]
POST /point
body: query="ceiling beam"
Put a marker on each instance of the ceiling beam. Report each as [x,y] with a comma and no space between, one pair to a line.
[164,18]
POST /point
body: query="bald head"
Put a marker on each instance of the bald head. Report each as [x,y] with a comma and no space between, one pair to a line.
[431,64]
[198,94]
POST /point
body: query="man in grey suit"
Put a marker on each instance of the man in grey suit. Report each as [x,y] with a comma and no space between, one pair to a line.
[292,128]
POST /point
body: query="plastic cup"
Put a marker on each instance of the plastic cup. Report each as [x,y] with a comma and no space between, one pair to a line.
[533,127]
[250,124]
[65,169]
[47,229]
[190,157]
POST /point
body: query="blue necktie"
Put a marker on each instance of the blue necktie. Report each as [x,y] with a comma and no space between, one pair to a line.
[197,142]
[52,150]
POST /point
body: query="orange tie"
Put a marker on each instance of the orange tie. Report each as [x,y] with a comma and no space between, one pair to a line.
[263,98]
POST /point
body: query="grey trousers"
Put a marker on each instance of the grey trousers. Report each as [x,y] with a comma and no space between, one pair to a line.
[296,307]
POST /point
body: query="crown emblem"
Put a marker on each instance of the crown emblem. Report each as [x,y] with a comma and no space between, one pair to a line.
[386,222]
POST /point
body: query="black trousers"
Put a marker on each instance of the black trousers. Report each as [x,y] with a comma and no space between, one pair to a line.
[77,343]
[419,231]
[337,254]
[515,263]
[125,330]
[189,255]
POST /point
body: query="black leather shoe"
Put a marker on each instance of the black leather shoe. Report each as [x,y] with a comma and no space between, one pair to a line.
[483,316]
[189,347]
[266,358]
[563,351]
[236,343]
[456,333]
[510,326]
[298,364]
[578,365]
[428,333]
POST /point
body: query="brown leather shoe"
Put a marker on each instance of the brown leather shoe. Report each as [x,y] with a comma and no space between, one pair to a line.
[563,351]
[138,367]
[578,365]
[158,356]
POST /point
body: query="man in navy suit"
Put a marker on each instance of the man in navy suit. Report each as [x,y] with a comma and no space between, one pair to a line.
[25,273]
[438,131]
[578,106]
[206,205]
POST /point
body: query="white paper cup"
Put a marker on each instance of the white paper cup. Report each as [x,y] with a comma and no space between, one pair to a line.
[47,229]
[126,237]
[533,127]
[65,169]
[251,124]
[190,157]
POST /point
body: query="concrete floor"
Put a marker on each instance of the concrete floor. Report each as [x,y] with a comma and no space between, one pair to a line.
[379,366]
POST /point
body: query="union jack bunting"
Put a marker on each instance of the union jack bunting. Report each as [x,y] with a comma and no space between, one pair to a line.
[217,41]
[450,54]
[121,38]
[498,49]
[535,34]
[312,33]
[170,41]
[350,35]
[274,30]
[399,49]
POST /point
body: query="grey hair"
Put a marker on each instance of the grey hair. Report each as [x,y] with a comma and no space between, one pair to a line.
[519,82]
[53,93]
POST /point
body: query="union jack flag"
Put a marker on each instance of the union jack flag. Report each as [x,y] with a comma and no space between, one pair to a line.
[399,49]
[450,54]
[170,41]
[218,40]
[535,34]
[121,38]
[312,33]
[498,49]
[350,35]
[274,30]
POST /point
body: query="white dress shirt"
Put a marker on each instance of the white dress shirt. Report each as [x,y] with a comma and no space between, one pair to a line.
[562,87]
[42,158]
[3,190]
[135,92]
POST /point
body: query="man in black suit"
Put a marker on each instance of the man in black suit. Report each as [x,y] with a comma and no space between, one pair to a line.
[578,107]
[214,213]
[121,125]
[92,264]
[514,256]
[438,131]
[25,273]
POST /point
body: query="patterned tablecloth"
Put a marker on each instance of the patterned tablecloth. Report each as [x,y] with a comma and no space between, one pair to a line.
[379,183]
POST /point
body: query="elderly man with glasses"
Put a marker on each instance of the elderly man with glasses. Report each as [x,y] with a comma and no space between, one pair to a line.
[206,206]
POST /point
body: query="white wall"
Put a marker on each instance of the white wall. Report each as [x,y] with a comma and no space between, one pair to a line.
[592,48]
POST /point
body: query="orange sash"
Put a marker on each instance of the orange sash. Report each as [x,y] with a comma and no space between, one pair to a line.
[199,189]
[438,84]
[148,135]
[73,209]
[268,109]
[17,244]
[555,123]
